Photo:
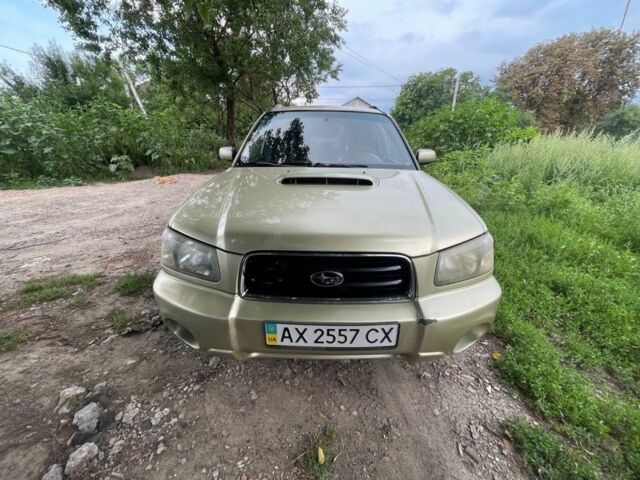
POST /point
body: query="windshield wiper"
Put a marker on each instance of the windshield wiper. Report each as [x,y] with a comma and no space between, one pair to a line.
[340,165]
[258,164]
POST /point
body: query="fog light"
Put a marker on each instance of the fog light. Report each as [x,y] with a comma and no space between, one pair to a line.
[471,337]
[181,332]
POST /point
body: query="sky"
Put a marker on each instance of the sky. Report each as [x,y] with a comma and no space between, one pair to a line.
[399,37]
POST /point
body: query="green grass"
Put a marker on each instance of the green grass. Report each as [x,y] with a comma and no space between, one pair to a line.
[547,454]
[46,290]
[121,319]
[309,460]
[135,283]
[564,214]
[10,340]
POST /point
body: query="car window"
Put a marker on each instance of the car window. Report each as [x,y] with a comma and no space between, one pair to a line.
[320,139]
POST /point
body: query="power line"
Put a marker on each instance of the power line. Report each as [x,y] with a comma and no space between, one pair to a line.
[352,53]
[16,50]
[368,62]
[624,15]
[361,86]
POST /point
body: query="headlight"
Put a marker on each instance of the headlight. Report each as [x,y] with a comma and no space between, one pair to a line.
[465,261]
[189,256]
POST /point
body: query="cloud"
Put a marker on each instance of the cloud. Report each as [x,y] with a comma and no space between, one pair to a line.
[410,36]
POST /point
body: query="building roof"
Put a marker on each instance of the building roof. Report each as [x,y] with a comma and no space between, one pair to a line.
[357,102]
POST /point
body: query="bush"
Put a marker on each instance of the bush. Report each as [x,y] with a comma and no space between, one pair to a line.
[44,143]
[471,125]
[622,122]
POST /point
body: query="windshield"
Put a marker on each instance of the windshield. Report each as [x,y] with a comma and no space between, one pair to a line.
[326,139]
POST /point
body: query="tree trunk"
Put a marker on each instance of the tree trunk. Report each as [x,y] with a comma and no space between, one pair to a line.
[230,101]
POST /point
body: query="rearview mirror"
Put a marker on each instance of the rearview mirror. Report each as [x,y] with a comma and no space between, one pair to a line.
[425,156]
[226,153]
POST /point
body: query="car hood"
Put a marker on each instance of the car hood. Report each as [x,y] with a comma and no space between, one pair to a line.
[403,211]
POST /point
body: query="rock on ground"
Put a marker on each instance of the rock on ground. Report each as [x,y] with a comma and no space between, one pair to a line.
[86,419]
[54,473]
[80,459]
[67,396]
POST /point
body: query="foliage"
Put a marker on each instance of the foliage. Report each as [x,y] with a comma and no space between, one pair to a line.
[37,291]
[68,79]
[135,283]
[622,122]
[10,340]
[427,92]
[45,143]
[227,49]
[564,214]
[471,125]
[575,80]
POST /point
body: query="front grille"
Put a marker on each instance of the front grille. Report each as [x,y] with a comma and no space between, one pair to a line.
[327,276]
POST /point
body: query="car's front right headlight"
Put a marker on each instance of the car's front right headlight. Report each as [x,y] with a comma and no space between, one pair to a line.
[467,260]
[189,256]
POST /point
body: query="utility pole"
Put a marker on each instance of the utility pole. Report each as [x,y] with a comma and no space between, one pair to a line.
[132,87]
[455,93]
[624,15]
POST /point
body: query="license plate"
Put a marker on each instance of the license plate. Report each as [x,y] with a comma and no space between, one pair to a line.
[304,335]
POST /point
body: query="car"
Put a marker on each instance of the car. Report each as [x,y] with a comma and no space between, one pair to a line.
[325,239]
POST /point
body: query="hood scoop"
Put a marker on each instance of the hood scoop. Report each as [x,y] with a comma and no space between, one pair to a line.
[327,180]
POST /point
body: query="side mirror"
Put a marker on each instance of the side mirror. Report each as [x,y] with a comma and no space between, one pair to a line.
[425,156]
[226,153]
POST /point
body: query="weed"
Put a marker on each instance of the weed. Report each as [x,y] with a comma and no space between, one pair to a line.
[135,283]
[9,340]
[121,319]
[38,291]
[317,459]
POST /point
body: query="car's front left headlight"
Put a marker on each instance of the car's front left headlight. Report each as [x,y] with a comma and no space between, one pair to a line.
[189,256]
[467,260]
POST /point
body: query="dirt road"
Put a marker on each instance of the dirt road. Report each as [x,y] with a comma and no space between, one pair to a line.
[172,412]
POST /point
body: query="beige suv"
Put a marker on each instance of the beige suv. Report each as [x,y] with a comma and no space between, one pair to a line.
[326,240]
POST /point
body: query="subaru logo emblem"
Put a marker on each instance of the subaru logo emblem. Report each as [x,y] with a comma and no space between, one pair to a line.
[327,279]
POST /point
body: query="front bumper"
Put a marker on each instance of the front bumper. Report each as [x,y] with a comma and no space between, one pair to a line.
[228,325]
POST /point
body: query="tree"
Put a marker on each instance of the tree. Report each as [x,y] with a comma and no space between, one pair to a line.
[69,79]
[622,122]
[473,124]
[426,92]
[573,81]
[230,50]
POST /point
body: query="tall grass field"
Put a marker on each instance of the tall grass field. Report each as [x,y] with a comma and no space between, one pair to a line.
[565,215]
